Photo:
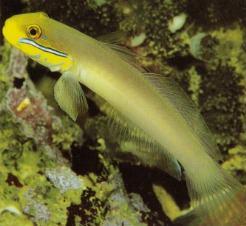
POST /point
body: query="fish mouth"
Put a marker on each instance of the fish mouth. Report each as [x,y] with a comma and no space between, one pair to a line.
[4,31]
[6,27]
[8,31]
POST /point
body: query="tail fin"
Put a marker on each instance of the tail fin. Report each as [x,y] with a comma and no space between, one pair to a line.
[217,199]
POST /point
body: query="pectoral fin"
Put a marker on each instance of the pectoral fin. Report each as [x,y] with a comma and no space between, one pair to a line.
[70,96]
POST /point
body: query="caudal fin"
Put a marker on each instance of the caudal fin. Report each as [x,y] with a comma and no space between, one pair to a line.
[217,200]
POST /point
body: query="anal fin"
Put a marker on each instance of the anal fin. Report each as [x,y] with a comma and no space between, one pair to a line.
[136,142]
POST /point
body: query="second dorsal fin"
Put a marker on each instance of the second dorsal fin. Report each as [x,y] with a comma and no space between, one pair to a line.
[171,90]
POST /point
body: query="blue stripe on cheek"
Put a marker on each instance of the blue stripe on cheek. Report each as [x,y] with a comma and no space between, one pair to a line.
[41,47]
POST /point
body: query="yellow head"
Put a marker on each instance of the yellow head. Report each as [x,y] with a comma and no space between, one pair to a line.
[36,36]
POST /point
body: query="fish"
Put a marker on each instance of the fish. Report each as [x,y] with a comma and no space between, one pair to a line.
[148,109]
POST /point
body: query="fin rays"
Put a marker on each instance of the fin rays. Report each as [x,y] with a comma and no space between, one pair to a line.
[219,201]
[70,96]
[168,88]
[146,149]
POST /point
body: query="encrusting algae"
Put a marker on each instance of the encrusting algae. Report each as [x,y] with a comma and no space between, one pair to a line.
[25,189]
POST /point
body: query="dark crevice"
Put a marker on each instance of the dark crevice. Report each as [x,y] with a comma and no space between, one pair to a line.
[183,62]
[18,82]
[140,179]
[85,160]
[38,71]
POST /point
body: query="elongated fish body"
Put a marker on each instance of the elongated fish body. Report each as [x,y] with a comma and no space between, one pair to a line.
[140,102]
[162,113]
[127,90]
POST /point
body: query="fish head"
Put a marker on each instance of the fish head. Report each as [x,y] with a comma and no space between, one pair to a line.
[32,34]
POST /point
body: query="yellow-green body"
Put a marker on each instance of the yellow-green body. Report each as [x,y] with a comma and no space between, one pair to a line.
[131,93]
[127,90]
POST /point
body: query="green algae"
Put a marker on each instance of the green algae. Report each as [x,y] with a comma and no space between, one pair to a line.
[9,219]
[236,162]
[27,168]
[4,80]
[27,195]
[194,85]
[63,137]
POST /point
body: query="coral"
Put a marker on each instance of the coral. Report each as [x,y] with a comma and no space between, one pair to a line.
[121,209]
[64,179]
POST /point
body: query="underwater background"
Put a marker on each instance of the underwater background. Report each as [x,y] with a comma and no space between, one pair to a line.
[57,172]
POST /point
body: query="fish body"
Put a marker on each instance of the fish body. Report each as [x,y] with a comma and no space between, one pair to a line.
[143,106]
[161,113]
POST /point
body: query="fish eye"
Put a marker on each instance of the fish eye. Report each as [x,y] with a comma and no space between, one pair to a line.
[34,31]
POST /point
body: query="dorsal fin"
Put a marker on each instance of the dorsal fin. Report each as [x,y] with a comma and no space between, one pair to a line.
[148,151]
[115,37]
[113,41]
[170,89]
